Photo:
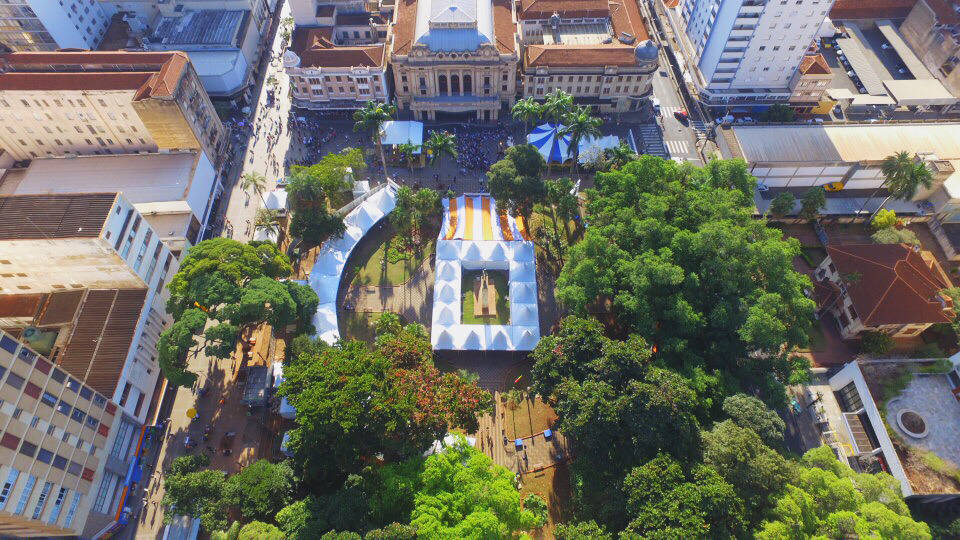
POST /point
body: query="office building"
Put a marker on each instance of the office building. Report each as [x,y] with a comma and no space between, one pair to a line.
[598,51]
[82,103]
[745,51]
[48,25]
[809,83]
[62,449]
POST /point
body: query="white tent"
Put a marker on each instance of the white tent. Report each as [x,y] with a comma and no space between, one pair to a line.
[402,132]
[523,252]
[499,338]
[472,340]
[523,314]
[443,339]
[522,293]
[446,316]
[470,251]
[276,199]
[445,293]
[522,271]
[449,440]
[446,270]
[326,287]
[362,218]
[448,250]
[590,146]
[526,338]
[350,238]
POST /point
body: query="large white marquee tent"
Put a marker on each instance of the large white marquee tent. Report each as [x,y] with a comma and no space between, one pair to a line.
[476,236]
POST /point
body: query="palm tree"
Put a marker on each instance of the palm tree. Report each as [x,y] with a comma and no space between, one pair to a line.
[267,219]
[409,153]
[579,125]
[557,105]
[440,143]
[255,182]
[620,155]
[371,119]
[903,176]
[528,111]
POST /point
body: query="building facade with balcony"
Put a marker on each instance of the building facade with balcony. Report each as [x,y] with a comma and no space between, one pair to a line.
[745,51]
[599,52]
[455,57]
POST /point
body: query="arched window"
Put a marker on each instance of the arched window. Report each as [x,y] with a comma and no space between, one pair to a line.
[467,84]
[455,84]
[442,84]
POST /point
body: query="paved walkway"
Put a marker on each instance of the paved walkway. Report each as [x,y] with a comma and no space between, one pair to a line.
[932,398]
[412,300]
[537,452]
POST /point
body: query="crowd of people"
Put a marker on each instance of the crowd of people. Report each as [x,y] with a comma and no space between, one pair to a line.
[478,148]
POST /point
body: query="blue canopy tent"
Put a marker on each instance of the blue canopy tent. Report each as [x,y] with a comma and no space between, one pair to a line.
[552,145]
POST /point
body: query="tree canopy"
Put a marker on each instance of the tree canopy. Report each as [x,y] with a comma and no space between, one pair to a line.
[222,287]
[516,181]
[677,254]
[189,491]
[260,490]
[751,413]
[315,184]
[414,212]
[355,405]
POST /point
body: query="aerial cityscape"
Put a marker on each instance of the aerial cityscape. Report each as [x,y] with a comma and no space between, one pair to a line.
[480,269]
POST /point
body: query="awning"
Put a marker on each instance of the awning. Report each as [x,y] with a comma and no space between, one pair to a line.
[402,132]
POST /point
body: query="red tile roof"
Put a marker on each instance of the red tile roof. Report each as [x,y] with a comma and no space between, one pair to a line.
[944,10]
[543,9]
[815,64]
[504,28]
[625,17]
[405,19]
[871,9]
[315,48]
[151,74]
[895,284]
[579,56]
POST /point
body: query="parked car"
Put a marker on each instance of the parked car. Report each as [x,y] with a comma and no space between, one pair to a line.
[681,115]
[833,186]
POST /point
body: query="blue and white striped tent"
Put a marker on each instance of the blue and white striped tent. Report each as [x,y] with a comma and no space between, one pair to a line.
[552,145]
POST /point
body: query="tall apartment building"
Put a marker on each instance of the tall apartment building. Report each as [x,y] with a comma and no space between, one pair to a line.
[48,25]
[57,439]
[932,29]
[598,51]
[746,51]
[106,268]
[80,103]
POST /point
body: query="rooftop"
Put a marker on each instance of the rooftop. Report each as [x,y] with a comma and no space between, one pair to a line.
[544,9]
[202,27]
[150,74]
[945,11]
[38,217]
[814,64]
[847,143]
[871,9]
[493,24]
[142,178]
[580,55]
[315,48]
[896,285]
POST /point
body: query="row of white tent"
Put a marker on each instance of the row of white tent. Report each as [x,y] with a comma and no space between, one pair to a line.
[326,273]
[517,258]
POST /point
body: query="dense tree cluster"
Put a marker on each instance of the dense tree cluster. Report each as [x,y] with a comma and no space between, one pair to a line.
[311,189]
[222,288]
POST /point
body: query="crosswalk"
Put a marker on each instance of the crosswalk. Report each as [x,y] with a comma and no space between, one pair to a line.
[652,140]
[677,148]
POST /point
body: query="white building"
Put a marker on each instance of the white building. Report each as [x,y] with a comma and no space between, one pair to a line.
[46,25]
[745,51]
[98,246]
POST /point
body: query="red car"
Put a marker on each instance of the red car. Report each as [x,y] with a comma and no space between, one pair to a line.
[681,115]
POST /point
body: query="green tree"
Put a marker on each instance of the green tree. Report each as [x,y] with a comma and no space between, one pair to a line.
[755,471]
[233,285]
[884,219]
[580,125]
[783,204]
[409,152]
[406,349]
[415,213]
[557,104]
[315,225]
[563,206]
[535,504]
[814,200]
[620,155]
[188,464]
[583,530]
[903,176]
[233,533]
[261,489]
[198,495]
[876,343]
[267,219]
[371,119]
[893,235]
[394,531]
[684,264]
[440,143]
[465,495]
[315,185]
[254,182]
[345,509]
[345,535]
[667,502]
[516,181]
[354,404]
[388,324]
[779,113]
[257,530]
[751,413]
[827,499]
[528,111]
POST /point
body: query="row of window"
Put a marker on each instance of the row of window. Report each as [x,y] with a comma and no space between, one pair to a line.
[29,485]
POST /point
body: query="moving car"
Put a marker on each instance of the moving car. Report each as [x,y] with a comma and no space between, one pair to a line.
[681,115]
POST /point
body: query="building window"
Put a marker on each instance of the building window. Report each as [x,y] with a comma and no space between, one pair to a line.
[122,441]
[25,494]
[100,504]
[8,486]
[57,505]
[72,512]
[125,394]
